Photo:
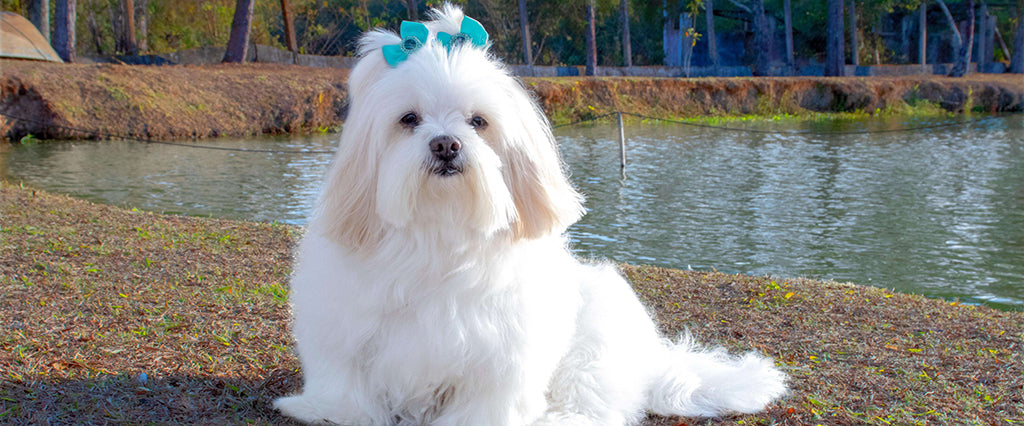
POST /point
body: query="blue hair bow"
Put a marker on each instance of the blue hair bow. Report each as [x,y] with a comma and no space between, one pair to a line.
[471,31]
[414,36]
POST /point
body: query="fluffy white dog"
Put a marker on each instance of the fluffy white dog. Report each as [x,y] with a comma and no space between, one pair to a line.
[435,286]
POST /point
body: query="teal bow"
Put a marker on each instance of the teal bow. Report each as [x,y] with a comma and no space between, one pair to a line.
[470,31]
[414,36]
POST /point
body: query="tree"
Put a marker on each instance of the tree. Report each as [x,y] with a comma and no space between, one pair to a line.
[289,27]
[238,43]
[957,38]
[762,41]
[524,27]
[854,46]
[142,25]
[627,48]
[1017,60]
[834,64]
[709,12]
[962,46]
[591,40]
[130,46]
[39,15]
[64,19]
[787,12]
[922,34]
[762,36]
[986,37]
[412,10]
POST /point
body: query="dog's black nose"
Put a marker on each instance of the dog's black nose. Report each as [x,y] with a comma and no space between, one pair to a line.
[445,148]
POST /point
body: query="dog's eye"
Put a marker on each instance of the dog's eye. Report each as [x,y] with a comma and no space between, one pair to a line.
[478,122]
[410,119]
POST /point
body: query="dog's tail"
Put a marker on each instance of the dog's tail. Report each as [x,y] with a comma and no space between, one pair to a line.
[697,382]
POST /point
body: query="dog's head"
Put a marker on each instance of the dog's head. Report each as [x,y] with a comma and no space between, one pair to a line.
[439,134]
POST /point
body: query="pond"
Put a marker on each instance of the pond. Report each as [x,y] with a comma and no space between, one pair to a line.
[936,211]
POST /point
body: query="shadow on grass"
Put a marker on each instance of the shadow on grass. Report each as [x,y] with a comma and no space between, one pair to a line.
[135,399]
[172,399]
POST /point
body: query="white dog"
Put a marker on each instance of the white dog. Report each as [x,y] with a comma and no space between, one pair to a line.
[435,286]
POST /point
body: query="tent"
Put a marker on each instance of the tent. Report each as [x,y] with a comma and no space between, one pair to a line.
[20,39]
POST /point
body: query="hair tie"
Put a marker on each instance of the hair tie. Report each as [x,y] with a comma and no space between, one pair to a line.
[414,36]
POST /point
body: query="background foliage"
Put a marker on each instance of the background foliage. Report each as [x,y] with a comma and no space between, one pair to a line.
[331,27]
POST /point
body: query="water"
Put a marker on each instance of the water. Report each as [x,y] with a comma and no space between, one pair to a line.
[181,179]
[938,212]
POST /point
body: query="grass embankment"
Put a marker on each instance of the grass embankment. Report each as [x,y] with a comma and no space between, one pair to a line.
[176,102]
[167,102]
[114,315]
[566,99]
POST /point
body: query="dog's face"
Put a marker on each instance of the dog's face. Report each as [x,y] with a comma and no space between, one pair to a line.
[444,138]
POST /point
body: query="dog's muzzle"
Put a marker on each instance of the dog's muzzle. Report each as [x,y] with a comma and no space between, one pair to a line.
[447,161]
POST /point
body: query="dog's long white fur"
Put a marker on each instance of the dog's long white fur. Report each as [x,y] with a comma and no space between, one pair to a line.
[454,300]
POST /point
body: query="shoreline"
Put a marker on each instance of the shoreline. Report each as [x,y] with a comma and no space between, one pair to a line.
[194,102]
[121,315]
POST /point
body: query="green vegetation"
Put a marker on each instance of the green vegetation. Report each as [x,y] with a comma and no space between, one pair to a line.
[331,27]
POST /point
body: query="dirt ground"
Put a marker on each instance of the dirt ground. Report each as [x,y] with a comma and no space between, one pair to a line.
[118,316]
[80,101]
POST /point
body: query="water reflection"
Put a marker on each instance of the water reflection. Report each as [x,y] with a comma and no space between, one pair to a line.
[178,179]
[938,211]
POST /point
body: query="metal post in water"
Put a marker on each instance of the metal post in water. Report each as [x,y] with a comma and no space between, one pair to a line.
[622,142]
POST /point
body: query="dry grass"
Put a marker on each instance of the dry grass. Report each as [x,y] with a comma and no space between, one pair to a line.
[117,316]
[180,102]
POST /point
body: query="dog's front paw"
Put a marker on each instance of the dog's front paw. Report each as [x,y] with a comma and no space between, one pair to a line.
[300,408]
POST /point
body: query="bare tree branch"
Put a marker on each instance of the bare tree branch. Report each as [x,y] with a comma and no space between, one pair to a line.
[741,6]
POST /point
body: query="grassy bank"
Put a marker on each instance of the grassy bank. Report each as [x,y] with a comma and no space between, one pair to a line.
[180,102]
[115,315]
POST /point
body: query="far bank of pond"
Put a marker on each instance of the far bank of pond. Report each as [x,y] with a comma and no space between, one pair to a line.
[81,101]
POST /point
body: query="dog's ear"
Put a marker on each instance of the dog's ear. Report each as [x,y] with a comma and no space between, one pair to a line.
[347,210]
[546,203]
[371,63]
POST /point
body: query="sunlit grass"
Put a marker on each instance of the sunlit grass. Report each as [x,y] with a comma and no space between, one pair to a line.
[121,316]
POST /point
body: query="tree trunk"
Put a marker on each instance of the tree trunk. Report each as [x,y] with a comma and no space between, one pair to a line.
[1002,43]
[875,30]
[1017,60]
[412,10]
[289,27]
[922,34]
[238,43]
[128,7]
[627,44]
[64,17]
[957,38]
[689,40]
[591,40]
[709,8]
[854,47]
[524,27]
[983,55]
[762,41]
[963,57]
[787,12]
[905,26]
[834,63]
[39,15]
[94,31]
[142,26]
[672,40]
